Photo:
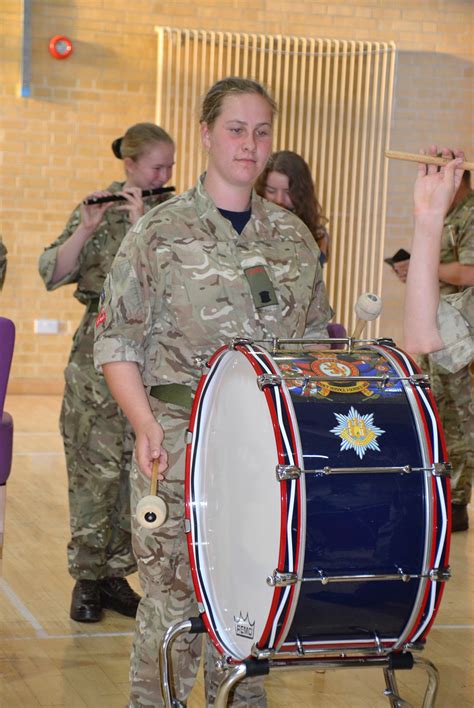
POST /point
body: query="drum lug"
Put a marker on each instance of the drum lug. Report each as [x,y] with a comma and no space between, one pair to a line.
[286,472]
[281,580]
[201,363]
[422,380]
[268,380]
[262,653]
[442,469]
[188,437]
[240,341]
[187,526]
[440,575]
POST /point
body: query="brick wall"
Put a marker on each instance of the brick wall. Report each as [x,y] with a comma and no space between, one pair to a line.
[55,145]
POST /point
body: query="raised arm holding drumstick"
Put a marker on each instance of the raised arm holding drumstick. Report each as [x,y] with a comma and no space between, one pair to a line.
[434,193]
[444,326]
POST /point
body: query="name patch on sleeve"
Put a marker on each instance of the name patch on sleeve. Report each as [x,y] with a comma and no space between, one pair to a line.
[261,287]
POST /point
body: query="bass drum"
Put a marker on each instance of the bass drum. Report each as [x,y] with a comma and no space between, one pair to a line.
[317,502]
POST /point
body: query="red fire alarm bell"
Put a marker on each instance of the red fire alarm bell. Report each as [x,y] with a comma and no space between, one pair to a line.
[60,47]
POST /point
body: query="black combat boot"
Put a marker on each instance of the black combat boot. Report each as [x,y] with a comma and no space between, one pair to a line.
[116,594]
[86,605]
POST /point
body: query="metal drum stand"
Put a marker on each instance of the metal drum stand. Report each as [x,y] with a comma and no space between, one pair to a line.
[234,673]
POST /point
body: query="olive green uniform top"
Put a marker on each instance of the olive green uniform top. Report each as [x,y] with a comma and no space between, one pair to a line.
[184,282]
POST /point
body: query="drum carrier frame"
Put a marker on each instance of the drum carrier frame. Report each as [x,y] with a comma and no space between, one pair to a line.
[338,658]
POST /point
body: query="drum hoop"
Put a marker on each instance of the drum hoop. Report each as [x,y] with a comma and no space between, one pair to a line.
[292,497]
[437,497]
[190,518]
[284,423]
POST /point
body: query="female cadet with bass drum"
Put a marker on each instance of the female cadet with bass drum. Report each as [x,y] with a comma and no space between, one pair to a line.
[215,263]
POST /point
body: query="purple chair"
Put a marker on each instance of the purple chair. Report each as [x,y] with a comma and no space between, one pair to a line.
[7,341]
[337,331]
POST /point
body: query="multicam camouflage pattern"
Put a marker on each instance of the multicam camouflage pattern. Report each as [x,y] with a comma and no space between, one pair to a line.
[176,292]
[165,574]
[456,326]
[453,394]
[453,391]
[457,243]
[98,443]
[98,440]
[3,263]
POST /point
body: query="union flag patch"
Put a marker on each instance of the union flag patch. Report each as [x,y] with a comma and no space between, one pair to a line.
[101,317]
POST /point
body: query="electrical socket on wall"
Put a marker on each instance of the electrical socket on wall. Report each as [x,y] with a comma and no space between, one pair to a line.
[47,326]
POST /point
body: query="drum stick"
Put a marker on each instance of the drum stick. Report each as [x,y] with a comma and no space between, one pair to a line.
[426,159]
[152,510]
[368,307]
[154,479]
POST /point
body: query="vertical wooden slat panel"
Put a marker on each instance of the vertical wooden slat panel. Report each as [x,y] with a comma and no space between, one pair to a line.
[329,137]
[278,86]
[388,92]
[309,123]
[336,285]
[316,157]
[362,194]
[302,93]
[191,136]
[160,53]
[352,250]
[342,260]
[372,91]
[335,103]
[286,108]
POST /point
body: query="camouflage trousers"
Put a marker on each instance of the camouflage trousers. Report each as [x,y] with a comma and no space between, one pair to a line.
[98,443]
[165,577]
[453,394]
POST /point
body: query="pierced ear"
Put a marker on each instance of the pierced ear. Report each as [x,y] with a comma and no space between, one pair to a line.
[205,135]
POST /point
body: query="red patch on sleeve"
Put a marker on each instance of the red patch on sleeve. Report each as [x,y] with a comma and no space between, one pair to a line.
[101,317]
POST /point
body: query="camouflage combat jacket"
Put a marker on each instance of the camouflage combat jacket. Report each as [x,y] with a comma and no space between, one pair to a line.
[457,243]
[93,264]
[183,283]
[456,327]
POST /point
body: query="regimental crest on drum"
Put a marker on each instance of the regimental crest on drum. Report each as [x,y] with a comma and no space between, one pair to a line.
[244,627]
[357,432]
[327,373]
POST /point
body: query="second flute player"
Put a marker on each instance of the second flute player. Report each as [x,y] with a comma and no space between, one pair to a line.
[98,441]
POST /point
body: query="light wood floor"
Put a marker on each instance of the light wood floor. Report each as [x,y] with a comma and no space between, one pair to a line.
[46,659]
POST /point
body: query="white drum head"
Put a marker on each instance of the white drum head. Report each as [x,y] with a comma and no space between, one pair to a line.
[236,504]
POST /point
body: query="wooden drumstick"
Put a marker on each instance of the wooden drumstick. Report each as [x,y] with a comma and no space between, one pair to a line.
[426,159]
[368,307]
